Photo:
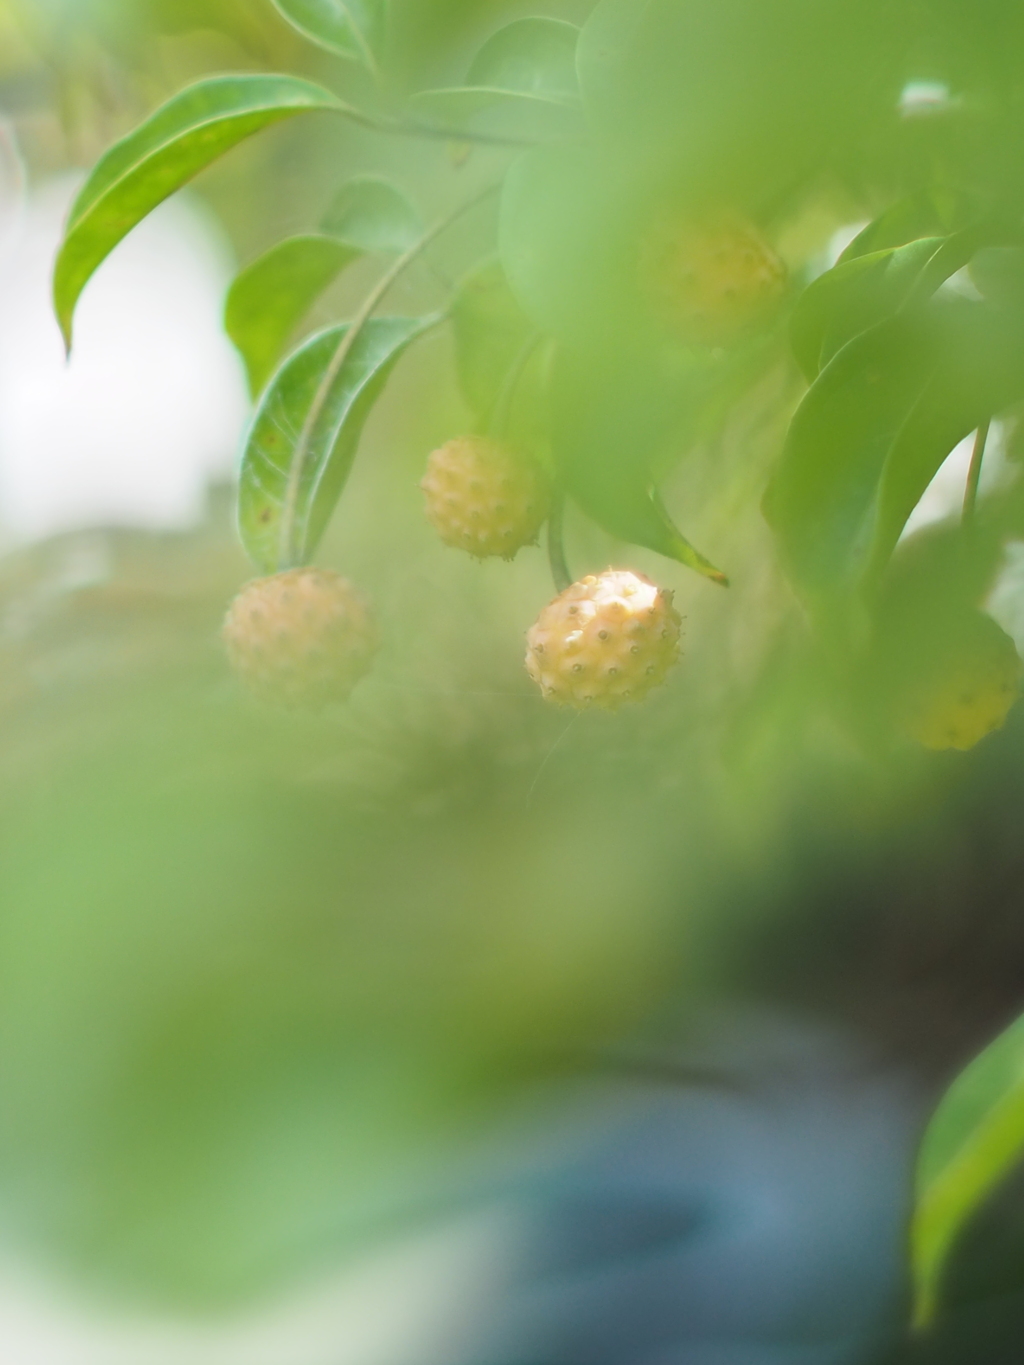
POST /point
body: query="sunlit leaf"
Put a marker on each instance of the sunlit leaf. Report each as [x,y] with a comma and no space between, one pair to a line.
[304,435]
[490,331]
[975,1137]
[269,298]
[372,214]
[525,71]
[348,28]
[271,295]
[169,148]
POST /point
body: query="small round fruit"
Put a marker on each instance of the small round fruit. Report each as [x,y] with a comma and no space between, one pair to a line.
[484,498]
[302,638]
[606,640]
[968,693]
[710,280]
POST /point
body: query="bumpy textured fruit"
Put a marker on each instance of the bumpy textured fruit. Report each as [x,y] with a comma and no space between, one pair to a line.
[710,281]
[302,638]
[606,640]
[484,498]
[968,693]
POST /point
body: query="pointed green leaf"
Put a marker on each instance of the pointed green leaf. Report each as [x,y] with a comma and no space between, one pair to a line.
[169,148]
[372,214]
[527,70]
[272,527]
[975,1138]
[610,425]
[875,426]
[901,223]
[269,298]
[851,297]
[271,295]
[490,331]
[349,28]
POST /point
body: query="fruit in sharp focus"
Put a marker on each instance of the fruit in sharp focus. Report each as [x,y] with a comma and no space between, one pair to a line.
[709,281]
[302,638]
[967,691]
[606,640]
[483,497]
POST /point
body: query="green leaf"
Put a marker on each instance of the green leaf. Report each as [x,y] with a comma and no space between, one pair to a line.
[349,28]
[905,221]
[372,214]
[974,1139]
[853,296]
[527,70]
[273,528]
[269,298]
[875,426]
[490,332]
[610,425]
[176,142]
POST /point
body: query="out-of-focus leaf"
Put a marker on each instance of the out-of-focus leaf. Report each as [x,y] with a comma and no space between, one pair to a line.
[271,295]
[348,28]
[372,214]
[975,1137]
[609,428]
[312,414]
[491,332]
[268,298]
[169,148]
[527,70]
[901,223]
[875,426]
[853,296]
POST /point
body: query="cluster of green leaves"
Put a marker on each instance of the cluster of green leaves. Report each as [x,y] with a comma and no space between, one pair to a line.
[647,108]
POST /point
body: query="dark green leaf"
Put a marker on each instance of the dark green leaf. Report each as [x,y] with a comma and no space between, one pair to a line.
[273,528]
[269,298]
[372,214]
[491,331]
[348,28]
[974,1139]
[853,296]
[177,141]
[526,70]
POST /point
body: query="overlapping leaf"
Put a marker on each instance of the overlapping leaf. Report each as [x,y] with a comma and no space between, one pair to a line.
[490,332]
[270,296]
[162,154]
[974,1139]
[873,429]
[524,78]
[304,435]
[349,28]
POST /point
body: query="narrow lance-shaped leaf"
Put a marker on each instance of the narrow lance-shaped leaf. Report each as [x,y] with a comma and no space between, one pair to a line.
[527,70]
[974,1139]
[176,142]
[349,28]
[272,528]
[272,294]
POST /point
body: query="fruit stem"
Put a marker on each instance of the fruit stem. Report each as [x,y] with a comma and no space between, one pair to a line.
[974,473]
[556,550]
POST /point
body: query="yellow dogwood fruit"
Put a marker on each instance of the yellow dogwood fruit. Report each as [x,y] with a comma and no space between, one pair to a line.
[302,638]
[483,497]
[968,694]
[606,640]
